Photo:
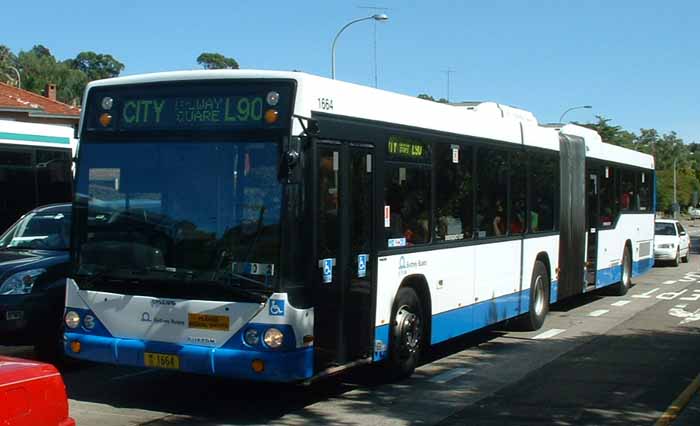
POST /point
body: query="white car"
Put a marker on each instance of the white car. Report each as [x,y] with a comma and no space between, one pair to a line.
[671,241]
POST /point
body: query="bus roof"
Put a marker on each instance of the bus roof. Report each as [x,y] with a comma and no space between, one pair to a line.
[488,120]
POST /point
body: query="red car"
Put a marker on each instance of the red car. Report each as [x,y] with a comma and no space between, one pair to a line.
[32,393]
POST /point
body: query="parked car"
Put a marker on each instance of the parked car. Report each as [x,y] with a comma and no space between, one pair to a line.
[694,213]
[671,241]
[34,262]
[32,393]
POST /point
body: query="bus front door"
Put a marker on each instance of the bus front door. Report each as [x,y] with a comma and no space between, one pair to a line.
[344,253]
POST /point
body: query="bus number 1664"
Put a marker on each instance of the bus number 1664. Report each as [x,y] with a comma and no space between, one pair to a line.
[325,104]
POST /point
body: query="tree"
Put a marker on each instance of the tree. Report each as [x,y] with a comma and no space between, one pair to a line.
[430,98]
[8,66]
[611,134]
[96,66]
[38,68]
[216,61]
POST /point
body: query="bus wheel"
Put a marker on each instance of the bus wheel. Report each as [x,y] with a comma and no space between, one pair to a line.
[621,288]
[539,300]
[407,333]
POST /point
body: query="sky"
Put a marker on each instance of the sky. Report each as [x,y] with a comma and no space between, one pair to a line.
[635,62]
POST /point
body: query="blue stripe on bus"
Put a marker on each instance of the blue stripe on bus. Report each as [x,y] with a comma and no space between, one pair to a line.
[613,274]
[284,366]
[456,322]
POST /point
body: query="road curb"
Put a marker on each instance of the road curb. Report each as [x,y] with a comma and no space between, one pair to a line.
[679,403]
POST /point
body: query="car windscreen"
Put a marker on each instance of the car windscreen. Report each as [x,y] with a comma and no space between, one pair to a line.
[664,229]
[40,231]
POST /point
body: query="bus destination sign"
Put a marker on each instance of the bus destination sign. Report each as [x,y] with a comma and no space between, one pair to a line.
[407,149]
[191,112]
[207,107]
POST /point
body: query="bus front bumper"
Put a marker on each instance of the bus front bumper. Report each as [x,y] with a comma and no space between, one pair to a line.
[279,366]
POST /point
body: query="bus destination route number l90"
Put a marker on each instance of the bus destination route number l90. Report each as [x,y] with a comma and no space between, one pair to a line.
[191,112]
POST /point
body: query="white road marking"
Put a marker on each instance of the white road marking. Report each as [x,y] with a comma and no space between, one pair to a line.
[669,282]
[646,295]
[679,312]
[549,333]
[449,375]
[621,303]
[599,312]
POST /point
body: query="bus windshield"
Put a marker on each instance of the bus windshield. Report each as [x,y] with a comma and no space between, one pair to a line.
[179,212]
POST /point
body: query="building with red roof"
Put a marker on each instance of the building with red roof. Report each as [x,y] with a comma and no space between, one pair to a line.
[22,105]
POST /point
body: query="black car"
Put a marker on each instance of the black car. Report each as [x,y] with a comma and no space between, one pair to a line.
[34,263]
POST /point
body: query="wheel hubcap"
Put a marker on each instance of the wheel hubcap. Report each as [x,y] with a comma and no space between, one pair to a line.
[409,331]
[539,296]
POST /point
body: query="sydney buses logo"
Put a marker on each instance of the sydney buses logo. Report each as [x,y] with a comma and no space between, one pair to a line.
[405,266]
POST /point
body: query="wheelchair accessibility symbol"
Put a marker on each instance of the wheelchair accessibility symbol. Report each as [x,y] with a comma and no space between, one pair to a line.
[276,307]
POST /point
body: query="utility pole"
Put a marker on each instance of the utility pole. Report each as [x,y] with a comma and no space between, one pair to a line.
[449,72]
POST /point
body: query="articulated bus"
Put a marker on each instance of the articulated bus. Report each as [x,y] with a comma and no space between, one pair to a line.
[35,167]
[278,226]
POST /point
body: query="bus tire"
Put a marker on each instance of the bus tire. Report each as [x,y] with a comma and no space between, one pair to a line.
[539,299]
[407,334]
[625,283]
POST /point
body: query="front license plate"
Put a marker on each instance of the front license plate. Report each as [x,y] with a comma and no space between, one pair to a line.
[152,359]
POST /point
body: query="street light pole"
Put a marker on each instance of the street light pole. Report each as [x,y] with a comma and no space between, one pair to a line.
[561,119]
[19,77]
[675,199]
[376,17]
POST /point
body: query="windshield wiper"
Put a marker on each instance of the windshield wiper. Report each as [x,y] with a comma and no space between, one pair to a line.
[90,279]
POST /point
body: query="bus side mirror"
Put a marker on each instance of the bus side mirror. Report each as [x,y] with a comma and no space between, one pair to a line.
[288,164]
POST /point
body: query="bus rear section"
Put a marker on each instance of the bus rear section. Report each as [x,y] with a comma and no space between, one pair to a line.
[178,231]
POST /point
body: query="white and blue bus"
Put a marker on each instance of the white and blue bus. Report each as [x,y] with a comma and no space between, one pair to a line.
[35,167]
[279,226]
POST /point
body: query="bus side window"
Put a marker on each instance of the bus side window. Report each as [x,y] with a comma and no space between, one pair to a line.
[454,198]
[544,174]
[407,195]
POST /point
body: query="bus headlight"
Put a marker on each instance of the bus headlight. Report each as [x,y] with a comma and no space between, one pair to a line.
[251,336]
[107,103]
[21,282]
[89,322]
[72,319]
[273,338]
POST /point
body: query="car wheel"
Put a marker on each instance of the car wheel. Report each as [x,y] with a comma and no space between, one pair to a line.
[407,333]
[687,253]
[677,260]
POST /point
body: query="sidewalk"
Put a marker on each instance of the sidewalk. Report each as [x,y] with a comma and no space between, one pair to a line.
[628,376]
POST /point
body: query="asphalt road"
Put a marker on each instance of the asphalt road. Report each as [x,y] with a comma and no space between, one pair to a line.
[598,360]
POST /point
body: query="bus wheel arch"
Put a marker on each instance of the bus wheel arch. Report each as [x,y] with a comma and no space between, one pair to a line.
[544,258]
[410,316]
